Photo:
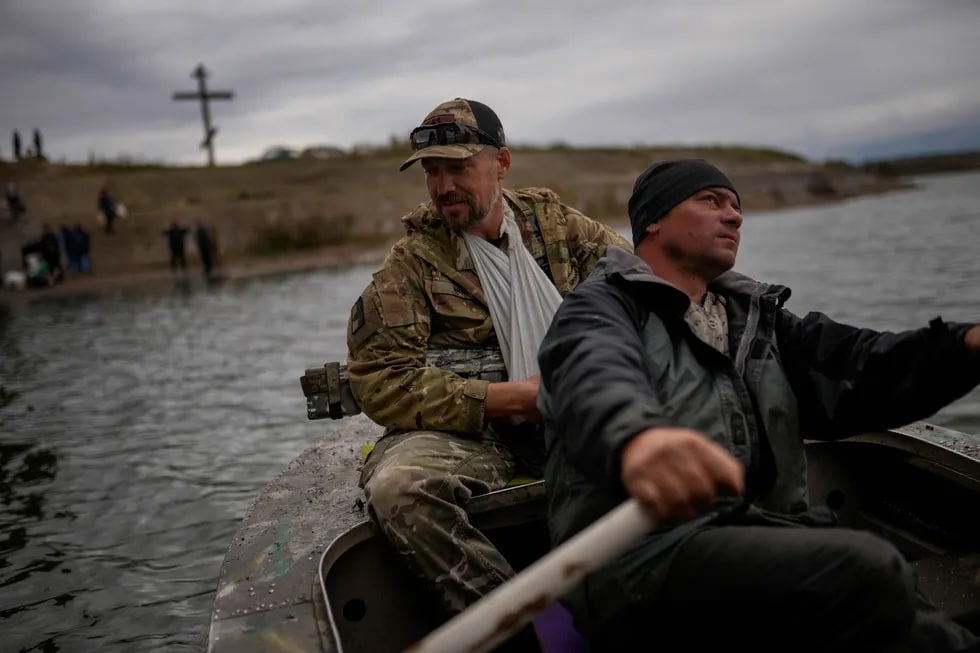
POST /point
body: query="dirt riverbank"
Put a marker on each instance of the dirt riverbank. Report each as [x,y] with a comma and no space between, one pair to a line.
[291,216]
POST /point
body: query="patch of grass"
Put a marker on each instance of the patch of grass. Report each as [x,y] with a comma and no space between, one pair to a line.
[121,164]
[109,169]
[302,234]
[568,195]
[838,164]
[756,153]
[606,204]
[249,195]
[925,164]
[398,147]
[820,185]
[742,152]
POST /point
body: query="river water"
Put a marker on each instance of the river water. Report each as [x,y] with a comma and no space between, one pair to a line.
[134,432]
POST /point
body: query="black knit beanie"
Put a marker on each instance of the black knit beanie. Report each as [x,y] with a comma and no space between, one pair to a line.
[666,184]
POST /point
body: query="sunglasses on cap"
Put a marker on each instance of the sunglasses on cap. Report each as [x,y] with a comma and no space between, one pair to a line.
[450,133]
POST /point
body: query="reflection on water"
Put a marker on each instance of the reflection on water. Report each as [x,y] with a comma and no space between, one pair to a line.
[134,433]
[25,471]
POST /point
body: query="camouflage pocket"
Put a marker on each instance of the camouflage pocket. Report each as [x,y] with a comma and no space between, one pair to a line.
[454,307]
[395,307]
[446,287]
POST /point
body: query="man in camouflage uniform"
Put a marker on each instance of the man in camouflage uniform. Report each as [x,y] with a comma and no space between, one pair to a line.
[448,438]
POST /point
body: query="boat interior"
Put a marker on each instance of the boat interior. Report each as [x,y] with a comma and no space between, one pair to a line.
[920,496]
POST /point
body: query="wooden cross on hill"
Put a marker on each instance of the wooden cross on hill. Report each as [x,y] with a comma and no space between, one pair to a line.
[205,96]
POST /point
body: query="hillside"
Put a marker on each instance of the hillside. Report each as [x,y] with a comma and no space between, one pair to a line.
[275,210]
[926,164]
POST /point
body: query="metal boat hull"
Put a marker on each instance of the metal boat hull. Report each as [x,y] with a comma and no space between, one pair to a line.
[307,571]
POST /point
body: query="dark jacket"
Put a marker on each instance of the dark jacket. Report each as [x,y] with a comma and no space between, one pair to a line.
[619,359]
[175,238]
[204,245]
[107,205]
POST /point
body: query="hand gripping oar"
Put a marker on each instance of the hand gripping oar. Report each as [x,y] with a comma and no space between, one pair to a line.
[504,611]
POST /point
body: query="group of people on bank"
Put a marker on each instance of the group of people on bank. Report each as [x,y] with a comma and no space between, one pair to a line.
[54,256]
[642,368]
[42,259]
[205,239]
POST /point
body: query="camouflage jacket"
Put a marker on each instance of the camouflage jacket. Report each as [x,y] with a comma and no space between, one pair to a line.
[427,295]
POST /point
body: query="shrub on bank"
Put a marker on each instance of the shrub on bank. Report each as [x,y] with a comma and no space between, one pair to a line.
[312,232]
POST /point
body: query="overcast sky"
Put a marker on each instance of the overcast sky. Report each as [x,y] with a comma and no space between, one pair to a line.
[825,78]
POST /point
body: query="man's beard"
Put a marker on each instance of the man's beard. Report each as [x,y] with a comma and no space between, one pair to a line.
[477,214]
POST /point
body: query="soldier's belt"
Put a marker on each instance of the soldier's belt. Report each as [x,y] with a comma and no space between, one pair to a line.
[328,392]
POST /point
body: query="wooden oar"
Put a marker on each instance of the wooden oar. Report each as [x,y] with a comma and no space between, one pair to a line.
[511,606]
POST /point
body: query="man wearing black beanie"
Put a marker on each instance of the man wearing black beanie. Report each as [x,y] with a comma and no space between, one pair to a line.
[664,185]
[671,379]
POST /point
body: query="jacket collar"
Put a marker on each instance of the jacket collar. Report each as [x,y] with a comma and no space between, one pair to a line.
[633,272]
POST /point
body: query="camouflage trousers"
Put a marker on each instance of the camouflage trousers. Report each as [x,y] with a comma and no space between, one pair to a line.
[418,484]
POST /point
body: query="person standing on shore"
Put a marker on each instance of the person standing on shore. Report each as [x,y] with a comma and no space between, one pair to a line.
[70,244]
[175,241]
[15,204]
[107,205]
[50,248]
[38,152]
[205,247]
[84,245]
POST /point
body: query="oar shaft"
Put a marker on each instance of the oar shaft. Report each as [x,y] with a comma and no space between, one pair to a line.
[511,606]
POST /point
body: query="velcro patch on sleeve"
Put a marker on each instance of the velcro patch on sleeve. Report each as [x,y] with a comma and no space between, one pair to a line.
[357,315]
[364,319]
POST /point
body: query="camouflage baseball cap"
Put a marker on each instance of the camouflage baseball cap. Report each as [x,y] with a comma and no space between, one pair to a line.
[456,129]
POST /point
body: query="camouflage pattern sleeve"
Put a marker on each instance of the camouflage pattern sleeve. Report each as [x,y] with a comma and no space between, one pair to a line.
[387,337]
[588,239]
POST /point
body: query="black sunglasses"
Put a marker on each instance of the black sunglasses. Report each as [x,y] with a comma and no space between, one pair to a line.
[450,133]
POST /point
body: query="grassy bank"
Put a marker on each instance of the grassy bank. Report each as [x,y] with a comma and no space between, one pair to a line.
[275,209]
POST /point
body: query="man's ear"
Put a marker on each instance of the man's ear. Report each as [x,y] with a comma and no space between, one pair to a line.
[653,229]
[503,163]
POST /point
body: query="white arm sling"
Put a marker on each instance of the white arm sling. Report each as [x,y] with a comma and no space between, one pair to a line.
[521,298]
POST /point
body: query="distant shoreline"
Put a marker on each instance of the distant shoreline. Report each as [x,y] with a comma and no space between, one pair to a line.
[141,282]
[134,281]
[311,214]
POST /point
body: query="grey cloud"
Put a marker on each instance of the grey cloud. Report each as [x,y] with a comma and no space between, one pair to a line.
[815,77]
[814,87]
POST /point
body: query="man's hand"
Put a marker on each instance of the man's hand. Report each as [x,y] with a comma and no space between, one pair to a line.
[510,398]
[532,414]
[676,473]
[972,339]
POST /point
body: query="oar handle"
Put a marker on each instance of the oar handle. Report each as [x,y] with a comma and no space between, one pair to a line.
[506,610]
